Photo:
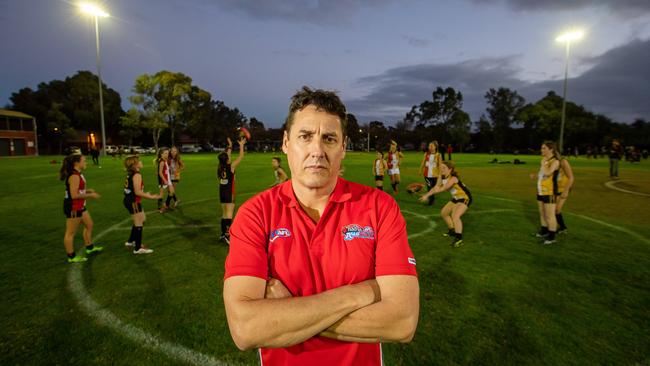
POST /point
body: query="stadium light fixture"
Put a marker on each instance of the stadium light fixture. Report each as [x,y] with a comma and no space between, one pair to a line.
[97,12]
[566,38]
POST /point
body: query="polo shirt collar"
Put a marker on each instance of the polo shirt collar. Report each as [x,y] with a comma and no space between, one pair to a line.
[340,194]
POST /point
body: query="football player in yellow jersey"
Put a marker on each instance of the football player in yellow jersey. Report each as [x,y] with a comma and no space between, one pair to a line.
[461,199]
[547,190]
[564,184]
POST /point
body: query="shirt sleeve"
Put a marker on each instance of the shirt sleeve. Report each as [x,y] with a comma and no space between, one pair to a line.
[393,255]
[247,254]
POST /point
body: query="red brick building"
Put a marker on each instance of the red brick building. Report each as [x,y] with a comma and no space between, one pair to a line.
[17,134]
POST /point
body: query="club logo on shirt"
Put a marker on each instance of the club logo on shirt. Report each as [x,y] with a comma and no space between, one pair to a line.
[411,260]
[354,231]
[279,233]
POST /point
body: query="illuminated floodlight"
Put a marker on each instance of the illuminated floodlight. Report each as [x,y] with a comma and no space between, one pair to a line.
[93,10]
[570,36]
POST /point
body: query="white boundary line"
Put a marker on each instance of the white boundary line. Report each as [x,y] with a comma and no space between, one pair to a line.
[432,224]
[143,338]
[611,185]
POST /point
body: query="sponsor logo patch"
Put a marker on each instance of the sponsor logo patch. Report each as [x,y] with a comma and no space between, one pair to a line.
[411,260]
[354,231]
[279,233]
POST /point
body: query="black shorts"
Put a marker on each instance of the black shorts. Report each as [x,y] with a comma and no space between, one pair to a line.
[379,177]
[431,182]
[226,196]
[69,213]
[546,198]
[467,202]
[132,206]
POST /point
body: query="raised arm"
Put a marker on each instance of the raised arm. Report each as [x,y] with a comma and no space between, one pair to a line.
[256,321]
[235,163]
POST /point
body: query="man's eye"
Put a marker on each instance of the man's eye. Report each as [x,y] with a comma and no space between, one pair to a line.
[330,139]
[304,137]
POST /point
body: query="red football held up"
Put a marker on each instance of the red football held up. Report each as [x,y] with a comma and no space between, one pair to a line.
[243,132]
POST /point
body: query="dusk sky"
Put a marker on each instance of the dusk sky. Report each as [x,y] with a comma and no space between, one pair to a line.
[382,56]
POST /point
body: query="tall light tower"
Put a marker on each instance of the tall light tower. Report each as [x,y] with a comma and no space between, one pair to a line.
[567,38]
[97,12]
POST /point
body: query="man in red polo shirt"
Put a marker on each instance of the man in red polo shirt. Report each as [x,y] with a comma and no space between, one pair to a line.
[319,270]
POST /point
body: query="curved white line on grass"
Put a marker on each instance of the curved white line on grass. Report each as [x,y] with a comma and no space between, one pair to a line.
[432,224]
[143,338]
[612,185]
[612,226]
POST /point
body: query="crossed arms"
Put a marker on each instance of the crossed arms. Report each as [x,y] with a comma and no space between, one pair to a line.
[264,314]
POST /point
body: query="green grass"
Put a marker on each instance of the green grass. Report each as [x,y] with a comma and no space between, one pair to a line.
[500,299]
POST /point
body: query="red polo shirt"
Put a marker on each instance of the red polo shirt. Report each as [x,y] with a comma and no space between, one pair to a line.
[361,235]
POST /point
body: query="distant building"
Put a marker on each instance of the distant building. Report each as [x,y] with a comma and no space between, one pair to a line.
[17,134]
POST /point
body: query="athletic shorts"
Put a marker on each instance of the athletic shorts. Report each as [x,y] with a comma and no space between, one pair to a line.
[226,196]
[431,181]
[69,213]
[379,177]
[546,198]
[393,171]
[132,207]
[467,202]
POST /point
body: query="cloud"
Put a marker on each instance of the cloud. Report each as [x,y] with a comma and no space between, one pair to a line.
[621,7]
[320,12]
[416,42]
[617,85]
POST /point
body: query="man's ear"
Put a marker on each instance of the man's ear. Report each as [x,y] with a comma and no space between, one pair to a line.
[285,142]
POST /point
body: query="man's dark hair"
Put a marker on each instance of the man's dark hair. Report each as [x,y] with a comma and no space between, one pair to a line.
[324,100]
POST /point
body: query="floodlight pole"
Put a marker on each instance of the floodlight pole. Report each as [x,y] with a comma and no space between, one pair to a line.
[101,98]
[566,75]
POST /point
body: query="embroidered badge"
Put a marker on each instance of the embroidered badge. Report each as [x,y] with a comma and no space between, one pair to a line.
[279,233]
[354,231]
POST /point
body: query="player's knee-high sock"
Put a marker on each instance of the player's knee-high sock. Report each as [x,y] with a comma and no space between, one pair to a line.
[560,222]
[543,230]
[227,231]
[223,227]
[138,237]
[160,203]
[168,200]
[132,236]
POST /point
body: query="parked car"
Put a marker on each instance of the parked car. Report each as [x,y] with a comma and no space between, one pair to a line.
[150,150]
[138,150]
[111,149]
[208,148]
[190,148]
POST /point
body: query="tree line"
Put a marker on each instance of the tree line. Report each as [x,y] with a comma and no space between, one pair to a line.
[167,105]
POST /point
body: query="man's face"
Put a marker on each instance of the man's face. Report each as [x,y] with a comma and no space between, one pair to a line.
[314,148]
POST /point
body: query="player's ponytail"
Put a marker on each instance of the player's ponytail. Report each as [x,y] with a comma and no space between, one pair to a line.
[67,167]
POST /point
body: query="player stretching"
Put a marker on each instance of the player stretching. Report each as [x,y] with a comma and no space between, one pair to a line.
[226,176]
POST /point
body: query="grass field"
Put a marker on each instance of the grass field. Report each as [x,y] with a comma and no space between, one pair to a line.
[501,299]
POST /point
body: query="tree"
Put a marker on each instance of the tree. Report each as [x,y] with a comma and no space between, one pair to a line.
[458,127]
[353,132]
[132,125]
[168,100]
[59,125]
[444,104]
[503,106]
